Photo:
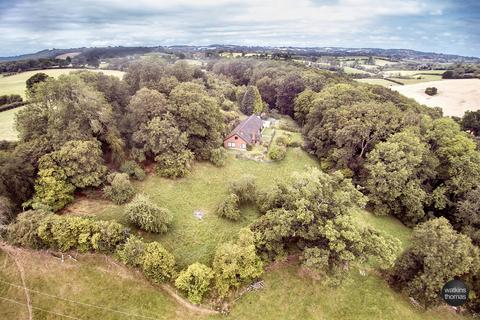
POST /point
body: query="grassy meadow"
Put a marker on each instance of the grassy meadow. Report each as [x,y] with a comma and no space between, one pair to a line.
[16,84]
[7,127]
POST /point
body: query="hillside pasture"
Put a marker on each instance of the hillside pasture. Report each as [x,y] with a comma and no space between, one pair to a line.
[7,124]
[15,84]
[454,96]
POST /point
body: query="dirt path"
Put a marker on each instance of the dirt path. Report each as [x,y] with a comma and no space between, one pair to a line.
[12,252]
[186,303]
[169,290]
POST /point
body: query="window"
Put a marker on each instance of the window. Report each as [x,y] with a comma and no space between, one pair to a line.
[231,144]
[243,146]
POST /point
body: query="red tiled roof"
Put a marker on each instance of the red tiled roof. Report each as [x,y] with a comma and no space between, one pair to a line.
[247,128]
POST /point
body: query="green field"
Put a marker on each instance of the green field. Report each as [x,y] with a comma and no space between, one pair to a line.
[16,84]
[7,129]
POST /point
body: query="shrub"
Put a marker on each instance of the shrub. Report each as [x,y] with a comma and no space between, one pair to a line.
[218,157]
[245,188]
[195,281]
[158,264]
[174,165]
[39,229]
[52,190]
[431,91]
[282,140]
[146,215]
[132,251]
[277,152]
[121,190]
[83,234]
[23,232]
[108,235]
[133,169]
[249,147]
[228,208]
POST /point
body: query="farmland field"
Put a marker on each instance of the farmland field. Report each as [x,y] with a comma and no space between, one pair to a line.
[16,84]
[7,129]
[381,82]
[454,96]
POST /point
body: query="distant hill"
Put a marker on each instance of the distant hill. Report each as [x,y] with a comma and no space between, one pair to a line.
[398,54]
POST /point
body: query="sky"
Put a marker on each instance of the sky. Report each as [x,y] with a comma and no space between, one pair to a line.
[443,26]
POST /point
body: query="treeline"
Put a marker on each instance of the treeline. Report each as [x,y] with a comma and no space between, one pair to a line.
[462,71]
[32,64]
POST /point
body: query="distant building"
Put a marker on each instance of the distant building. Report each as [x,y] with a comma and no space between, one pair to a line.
[247,132]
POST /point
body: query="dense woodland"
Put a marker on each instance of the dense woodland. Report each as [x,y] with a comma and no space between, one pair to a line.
[377,149]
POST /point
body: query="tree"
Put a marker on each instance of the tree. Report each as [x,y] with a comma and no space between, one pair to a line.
[236,263]
[158,264]
[36,78]
[120,190]
[471,122]
[195,281]
[146,215]
[467,215]
[133,169]
[437,255]
[302,105]
[268,90]
[228,208]
[287,90]
[315,209]
[81,163]
[145,105]
[145,73]
[67,109]
[346,134]
[397,172]
[52,189]
[251,101]
[170,165]
[199,116]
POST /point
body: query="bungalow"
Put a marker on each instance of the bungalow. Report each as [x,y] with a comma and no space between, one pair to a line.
[247,132]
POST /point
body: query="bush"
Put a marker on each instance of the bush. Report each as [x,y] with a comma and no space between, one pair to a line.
[23,232]
[431,91]
[132,251]
[245,188]
[218,157]
[228,208]
[133,169]
[174,165]
[146,215]
[277,152]
[83,234]
[158,264]
[121,190]
[249,147]
[282,140]
[10,99]
[40,229]
[195,281]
